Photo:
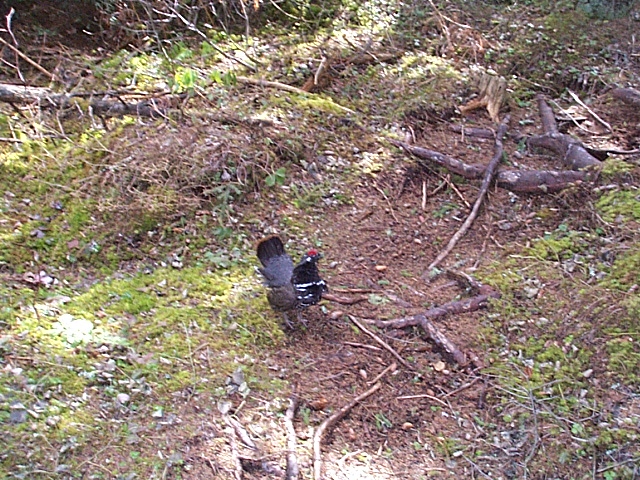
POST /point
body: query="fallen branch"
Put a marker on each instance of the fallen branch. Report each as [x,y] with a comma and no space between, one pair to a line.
[27,59]
[235,456]
[149,107]
[526,181]
[329,423]
[488,178]
[593,114]
[424,320]
[240,432]
[391,368]
[384,344]
[473,131]
[459,306]
[259,82]
[293,471]
[571,151]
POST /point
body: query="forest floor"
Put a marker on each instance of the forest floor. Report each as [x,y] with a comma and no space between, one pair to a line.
[135,336]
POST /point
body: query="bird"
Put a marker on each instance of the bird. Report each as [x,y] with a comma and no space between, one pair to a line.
[291,288]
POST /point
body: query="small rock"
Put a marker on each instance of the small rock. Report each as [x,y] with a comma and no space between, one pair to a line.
[157,413]
[319,404]
[407,426]
[587,373]
[336,314]
[363,374]
[439,366]
[381,268]
[123,398]
[53,420]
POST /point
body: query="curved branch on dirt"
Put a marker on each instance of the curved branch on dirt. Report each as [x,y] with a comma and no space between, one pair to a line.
[571,151]
[424,320]
[293,471]
[458,167]
[384,344]
[329,423]
[486,181]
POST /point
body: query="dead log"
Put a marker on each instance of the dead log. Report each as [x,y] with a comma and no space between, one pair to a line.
[539,181]
[108,107]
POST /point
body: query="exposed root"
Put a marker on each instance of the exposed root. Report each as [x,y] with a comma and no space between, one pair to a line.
[329,423]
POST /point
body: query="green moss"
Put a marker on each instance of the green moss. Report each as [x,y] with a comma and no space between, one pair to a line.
[622,204]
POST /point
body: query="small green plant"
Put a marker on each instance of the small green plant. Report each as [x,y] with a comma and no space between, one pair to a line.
[445,209]
[276,178]
[305,413]
[227,79]
[184,80]
[382,422]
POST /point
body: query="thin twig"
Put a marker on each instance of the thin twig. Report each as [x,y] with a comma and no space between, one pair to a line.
[380,341]
[329,423]
[283,86]
[27,59]
[593,114]
[391,368]
[321,68]
[488,177]
[362,345]
[423,395]
[463,387]
[196,30]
